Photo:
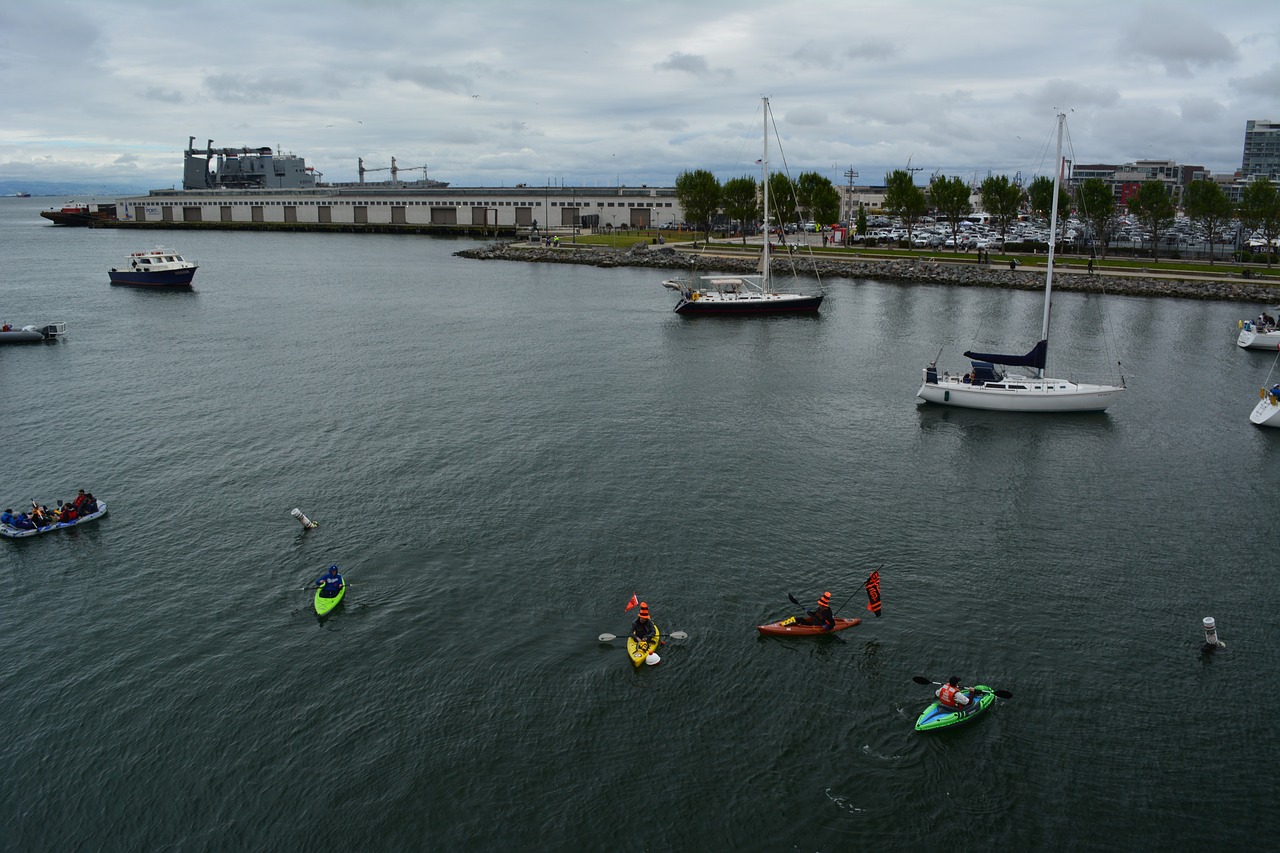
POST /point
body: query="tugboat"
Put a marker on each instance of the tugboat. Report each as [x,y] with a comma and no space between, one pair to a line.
[158,267]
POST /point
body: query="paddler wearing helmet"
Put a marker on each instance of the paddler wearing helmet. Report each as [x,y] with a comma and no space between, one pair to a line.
[642,629]
[821,615]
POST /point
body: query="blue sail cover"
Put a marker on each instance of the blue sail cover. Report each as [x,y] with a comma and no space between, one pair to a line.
[1035,358]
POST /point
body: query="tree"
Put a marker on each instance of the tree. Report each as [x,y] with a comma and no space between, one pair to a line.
[740,199]
[903,199]
[1097,205]
[950,197]
[699,194]
[1260,211]
[826,204]
[1001,198]
[1206,204]
[1038,195]
[782,199]
[1154,209]
[861,222]
[817,198]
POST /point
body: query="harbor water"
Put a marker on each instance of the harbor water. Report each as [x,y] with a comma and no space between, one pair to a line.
[499,455]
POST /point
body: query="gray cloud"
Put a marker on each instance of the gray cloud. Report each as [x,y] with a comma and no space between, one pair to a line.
[1178,40]
[580,98]
[686,62]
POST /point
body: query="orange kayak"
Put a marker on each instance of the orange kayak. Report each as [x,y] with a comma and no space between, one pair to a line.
[790,628]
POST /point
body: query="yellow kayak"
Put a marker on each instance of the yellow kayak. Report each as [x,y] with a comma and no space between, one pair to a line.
[639,652]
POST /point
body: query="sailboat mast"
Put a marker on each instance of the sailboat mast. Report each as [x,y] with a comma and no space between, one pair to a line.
[1053,234]
[764,262]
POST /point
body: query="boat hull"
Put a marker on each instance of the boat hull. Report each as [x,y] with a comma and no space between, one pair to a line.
[325,605]
[639,652]
[1267,412]
[19,336]
[17,533]
[716,304]
[936,717]
[789,628]
[1029,395]
[167,278]
[1251,337]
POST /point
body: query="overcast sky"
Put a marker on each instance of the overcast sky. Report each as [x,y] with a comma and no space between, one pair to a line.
[489,93]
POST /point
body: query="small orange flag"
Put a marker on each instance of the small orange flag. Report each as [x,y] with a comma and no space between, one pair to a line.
[633,602]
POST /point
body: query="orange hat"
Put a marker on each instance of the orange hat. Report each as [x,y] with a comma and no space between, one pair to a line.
[644,610]
[825,600]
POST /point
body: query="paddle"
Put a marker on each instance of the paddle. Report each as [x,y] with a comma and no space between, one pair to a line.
[1003,694]
[675,635]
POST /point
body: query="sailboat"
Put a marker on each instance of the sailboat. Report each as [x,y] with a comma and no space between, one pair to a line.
[1267,410]
[743,294]
[1262,333]
[988,387]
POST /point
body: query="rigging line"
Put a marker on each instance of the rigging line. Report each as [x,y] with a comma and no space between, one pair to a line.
[1272,371]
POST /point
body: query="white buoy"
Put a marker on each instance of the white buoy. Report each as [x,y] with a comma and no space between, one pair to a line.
[653,659]
[307,523]
[1211,641]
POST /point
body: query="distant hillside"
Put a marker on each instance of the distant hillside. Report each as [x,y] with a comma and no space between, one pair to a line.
[70,189]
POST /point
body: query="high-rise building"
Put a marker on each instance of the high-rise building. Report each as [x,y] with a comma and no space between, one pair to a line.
[1261,149]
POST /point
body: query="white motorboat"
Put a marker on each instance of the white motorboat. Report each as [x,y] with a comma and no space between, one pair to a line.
[159,267]
[988,387]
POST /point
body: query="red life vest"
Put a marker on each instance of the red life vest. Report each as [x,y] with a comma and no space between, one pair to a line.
[947,696]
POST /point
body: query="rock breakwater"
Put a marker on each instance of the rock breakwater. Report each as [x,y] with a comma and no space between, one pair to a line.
[907,271]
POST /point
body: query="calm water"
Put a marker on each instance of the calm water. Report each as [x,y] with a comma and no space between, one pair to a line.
[499,455]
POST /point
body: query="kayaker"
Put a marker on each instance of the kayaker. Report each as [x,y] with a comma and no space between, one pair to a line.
[951,695]
[821,615]
[331,582]
[642,629]
[6,517]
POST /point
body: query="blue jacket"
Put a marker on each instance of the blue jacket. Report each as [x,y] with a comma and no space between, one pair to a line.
[331,583]
[6,517]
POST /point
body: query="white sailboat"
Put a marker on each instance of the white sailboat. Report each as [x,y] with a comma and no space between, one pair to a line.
[988,387]
[743,294]
[1260,333]
[1267,412]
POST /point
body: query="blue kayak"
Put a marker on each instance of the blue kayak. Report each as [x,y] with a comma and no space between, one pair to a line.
[938,717]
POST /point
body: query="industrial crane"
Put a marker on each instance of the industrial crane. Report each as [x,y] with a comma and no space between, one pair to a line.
[362,169]
[395,171]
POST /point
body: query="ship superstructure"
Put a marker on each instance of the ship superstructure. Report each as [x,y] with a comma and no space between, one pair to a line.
[243,169]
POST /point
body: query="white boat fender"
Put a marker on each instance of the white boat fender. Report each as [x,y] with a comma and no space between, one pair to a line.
[653,659]
[306,523]
[1211,641]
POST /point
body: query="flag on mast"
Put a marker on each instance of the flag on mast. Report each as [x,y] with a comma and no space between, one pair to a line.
[873,592]
[632,603]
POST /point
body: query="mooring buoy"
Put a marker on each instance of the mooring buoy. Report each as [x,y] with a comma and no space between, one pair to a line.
[1211,641]
[307,523]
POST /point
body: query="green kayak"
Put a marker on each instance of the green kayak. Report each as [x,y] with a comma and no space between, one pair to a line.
[324,605]
[938,717]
